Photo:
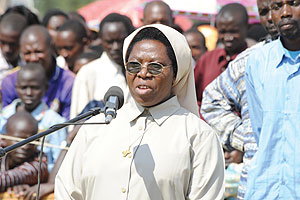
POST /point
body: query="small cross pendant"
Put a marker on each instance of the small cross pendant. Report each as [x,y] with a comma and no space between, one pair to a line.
[126,152]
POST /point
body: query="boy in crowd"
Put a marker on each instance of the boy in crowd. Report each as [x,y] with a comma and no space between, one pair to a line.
[233,170]
[31,87]
[196,41]
[21,166]
[71,41]
[84,59]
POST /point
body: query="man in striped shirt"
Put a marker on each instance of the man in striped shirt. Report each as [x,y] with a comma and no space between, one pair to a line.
[224,104]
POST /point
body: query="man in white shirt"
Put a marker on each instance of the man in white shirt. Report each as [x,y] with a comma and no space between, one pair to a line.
[95,78]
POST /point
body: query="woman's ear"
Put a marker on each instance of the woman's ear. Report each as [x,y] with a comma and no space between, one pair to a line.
[174,79]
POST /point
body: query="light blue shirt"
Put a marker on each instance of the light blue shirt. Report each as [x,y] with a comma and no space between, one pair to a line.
[46,118]
[273,94]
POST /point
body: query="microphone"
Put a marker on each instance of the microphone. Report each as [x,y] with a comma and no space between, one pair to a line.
[114,100]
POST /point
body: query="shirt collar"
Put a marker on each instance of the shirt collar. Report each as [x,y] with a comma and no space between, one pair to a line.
[39,112]
[108,59]
[160,113]
[278,53]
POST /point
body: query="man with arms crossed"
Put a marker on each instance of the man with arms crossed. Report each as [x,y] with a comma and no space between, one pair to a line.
[224,104]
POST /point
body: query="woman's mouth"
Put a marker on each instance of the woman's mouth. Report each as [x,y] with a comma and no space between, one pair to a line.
[143,89]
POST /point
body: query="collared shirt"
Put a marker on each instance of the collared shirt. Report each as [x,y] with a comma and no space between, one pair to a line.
[93,80]
[169,154]
[273,95]
[46,118]
[57,97]
[209,66]
[61,62]
[225,108]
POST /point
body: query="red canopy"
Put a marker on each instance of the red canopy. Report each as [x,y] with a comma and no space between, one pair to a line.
[96,11]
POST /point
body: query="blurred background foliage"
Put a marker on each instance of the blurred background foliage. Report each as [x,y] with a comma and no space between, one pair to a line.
[40,7]
[66,5]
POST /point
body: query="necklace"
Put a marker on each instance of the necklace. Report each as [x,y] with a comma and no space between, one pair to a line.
[127,152]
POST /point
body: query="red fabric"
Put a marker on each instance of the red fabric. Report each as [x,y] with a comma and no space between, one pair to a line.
[209,67]
[97,10]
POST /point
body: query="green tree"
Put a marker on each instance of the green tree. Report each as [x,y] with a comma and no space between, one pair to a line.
[65,5]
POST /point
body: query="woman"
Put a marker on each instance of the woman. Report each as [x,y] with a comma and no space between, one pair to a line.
[157,147]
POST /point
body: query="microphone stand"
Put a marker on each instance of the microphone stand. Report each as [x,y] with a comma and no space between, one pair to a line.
[91,112]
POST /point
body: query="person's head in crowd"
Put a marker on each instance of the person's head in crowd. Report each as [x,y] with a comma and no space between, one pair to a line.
[21,125]
[36,47]
[177,28]
[93,35]
[78,17]
[257,32]
[158,12]
[11,28]
[83,59]
[95,41]
[53,19]
[71,40]
[31,86]
[30,17]
[286,18]
[196,41]
[96,49]
[234,156]
[266,17]
[113,29]
[232,25]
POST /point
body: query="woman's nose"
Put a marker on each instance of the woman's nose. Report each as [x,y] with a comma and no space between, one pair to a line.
[144,72]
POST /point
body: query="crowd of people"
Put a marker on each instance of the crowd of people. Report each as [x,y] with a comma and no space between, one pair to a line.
[197,122]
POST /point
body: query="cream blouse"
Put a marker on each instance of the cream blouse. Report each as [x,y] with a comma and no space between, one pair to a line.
[164,152]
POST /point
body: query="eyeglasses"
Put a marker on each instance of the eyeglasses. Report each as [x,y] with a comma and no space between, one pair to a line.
[153,68]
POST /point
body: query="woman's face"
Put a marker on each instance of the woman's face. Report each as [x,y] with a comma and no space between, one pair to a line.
[147,89]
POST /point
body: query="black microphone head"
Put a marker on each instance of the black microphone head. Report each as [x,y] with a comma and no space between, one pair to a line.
[115,91]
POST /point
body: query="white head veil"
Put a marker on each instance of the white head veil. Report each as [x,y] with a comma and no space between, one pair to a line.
[184,85]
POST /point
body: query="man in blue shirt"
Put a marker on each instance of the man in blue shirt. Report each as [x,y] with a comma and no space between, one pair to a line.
[36,47]
[273,94]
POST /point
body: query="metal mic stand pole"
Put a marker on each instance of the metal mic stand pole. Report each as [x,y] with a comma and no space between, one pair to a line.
[92,112]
